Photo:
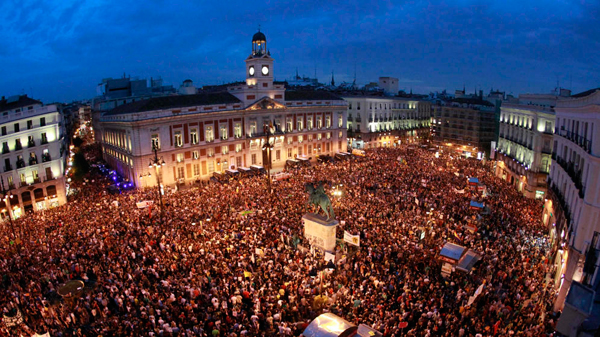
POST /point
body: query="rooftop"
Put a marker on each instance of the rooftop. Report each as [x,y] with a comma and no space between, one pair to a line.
[585,93]
[304,95]
[15,102]
[168,102]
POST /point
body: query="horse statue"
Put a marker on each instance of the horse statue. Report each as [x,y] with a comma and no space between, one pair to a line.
[317,196]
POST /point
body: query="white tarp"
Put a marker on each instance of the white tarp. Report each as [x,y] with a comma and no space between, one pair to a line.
[352,239]
[144,204]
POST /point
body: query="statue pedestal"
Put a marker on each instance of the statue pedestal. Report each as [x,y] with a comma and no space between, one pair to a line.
[319,231]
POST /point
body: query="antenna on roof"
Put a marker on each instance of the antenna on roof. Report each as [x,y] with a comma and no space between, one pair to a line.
[259,27]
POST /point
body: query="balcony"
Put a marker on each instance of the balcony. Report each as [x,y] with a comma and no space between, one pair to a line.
[583,142]
[5,150]
[18,146]
[23,184]
[350,118]
[49,177]
[574,174]
[8,168]
[358,119]
[37,180]
[33,161]
[44,141]
[46,157]
[20,163]
[31,143]
[11,186]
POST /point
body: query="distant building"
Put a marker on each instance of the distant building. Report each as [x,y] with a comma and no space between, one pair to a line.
[573,209]
[33,156]
[525,143]
[222,127]
[389,85]
[376,121]
[187,88]
[465,125]
[115,92]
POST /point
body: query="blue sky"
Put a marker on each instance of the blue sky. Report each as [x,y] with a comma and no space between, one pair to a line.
[60,50]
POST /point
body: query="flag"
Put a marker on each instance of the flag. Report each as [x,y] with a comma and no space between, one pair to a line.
[247,274]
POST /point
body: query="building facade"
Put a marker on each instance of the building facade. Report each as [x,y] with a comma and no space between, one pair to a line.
[466,125]
[375,121]
[525,143]
[33,156]
[197,135]
[572,209]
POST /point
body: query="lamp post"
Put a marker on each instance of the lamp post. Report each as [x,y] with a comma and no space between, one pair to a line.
[157,163]
[6,198]
[267,148]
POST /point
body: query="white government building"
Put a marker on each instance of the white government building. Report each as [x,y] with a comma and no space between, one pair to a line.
[572,210]
[33,156]
[386,121]
[199,134]
[525,142]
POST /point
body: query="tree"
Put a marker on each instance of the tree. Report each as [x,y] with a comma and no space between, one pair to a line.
[77,142]
[80,166]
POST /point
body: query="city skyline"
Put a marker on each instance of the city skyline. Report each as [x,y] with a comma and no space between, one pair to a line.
[60,52]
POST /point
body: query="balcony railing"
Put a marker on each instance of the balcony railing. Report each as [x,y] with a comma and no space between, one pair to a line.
[31,143]
[5,150]
[583,142]
[8,168]
[37,180]
[46,158]
[574,174]
[20,163]
[23,183]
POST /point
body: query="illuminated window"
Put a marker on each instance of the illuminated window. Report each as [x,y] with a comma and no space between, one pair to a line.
[155,142]
[178,139]
[238,147]
[224,149]
[209,134]
[180,157]
[195,155]
[223,132]
[194,136]
[237,130]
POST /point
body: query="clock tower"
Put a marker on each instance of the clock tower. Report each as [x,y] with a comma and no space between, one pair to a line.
[259,76]
[259,65]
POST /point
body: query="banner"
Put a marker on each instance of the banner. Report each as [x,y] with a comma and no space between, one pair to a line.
[144,204]
[329,257]
[352,239]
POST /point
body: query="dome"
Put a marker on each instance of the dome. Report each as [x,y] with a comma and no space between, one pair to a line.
[259,36]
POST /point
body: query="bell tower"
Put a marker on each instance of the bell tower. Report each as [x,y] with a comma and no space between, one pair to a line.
[259,65]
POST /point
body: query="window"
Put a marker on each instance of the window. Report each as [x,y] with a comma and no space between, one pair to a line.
[30,141]
[299,150]
[350,106]
[340,134]
[253,159]
[32,158]
[278,155]
[310,138]
[196,170]
[43,121]
[328,135]
[357,105]
[209,134]
[238,161]
[237,130]
[210,152]
[23,178]
[289,140]
[194,136]
[211,166]
[319,122]
[224,149]
[155,142]
[180,173]
[288,127]
[180,157]
[195,155]
[300,123]
[5,148]
[4,130]
[252,128]
[16,127]
[29,124]
[309,123]
[319,136]
[289,151]
[45,156]
[300,139]
[178,140]
[223,132]
[238,147]
[18,145]
[341,121]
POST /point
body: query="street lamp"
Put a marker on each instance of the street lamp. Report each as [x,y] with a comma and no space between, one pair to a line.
[267,148]
[157,163]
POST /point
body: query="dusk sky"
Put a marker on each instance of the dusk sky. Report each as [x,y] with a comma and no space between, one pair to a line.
[61,50]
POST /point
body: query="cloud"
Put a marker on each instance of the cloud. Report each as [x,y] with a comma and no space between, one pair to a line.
[62,49]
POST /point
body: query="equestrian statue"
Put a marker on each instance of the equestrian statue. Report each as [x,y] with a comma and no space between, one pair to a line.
[317,197]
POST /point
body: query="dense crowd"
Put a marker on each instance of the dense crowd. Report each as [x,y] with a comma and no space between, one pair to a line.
[230,260]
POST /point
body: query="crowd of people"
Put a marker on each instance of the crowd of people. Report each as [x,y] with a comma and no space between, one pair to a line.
[231,260]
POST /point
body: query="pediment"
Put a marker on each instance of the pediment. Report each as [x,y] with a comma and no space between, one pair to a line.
[266,103]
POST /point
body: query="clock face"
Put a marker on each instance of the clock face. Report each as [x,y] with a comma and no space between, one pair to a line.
[251,71]
[265,70]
